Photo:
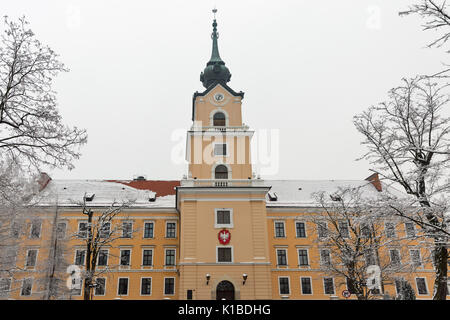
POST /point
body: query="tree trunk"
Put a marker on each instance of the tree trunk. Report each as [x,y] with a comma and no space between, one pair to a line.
[440,257]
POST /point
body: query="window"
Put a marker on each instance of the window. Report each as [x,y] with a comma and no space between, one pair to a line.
[147,257]
[170,257]
[125,256]
[224,254]
[102,258]
[189,294]
[26,287]
[306,285]
[146,286]
[79,257]
[219,119]
[390,230]
[415,257]
[220,149]
[31,258]
[350,285]
[365,230]
[395,257]
[370,257]
[328,285]
[410,229]
[171,230]
[325,258]
[169,286]
[76,291]
[398,285]
[82,230]
[279,229]
[300,229]
[123,287]
[15,230]
[303,257]
[284,285]
[100,286]
[343,229]
[421,286]
[281,257]
[35,229]
[105,230]
[221,172]
[5,286]
[127,229]
[148,230]
[224,218]
[61,230]
[322,229]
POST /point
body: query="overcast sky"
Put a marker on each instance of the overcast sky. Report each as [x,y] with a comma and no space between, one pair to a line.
[306,67]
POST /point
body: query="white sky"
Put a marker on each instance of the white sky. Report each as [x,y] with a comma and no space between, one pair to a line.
[306,68]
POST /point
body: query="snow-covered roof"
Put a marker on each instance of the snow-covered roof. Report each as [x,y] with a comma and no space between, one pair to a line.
[71,193]
[298,193]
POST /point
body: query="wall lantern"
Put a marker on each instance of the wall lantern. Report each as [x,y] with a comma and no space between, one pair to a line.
[207,278]
[244,276]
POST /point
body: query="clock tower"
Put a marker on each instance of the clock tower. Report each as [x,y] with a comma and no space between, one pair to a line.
[224,250]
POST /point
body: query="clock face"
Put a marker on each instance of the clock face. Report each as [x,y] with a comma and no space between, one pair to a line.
[218,97]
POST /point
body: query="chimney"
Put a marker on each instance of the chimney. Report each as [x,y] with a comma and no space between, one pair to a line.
[43,180]
[375,180]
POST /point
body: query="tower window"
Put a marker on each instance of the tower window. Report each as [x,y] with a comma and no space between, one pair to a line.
[221,172]
[220,149]
[219,119]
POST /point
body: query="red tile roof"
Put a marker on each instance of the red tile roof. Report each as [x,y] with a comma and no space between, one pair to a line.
[161,187]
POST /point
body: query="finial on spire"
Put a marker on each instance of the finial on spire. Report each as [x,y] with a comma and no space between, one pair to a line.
[214,11]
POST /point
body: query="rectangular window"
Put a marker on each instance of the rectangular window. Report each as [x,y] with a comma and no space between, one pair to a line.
[102,258]
[189,295]
[281,257]
[284,285]
[76,291]
[15,230]
[303,257]
[322,229]
[398,284]
[171,228]
[169,286]
[370,257]
[410,229]
[26,287]
[395,257]
[100,284]
[421,286]
[79,257]
[300,229]
[343,229]
[279,229]
[5,286]
[365,230]
[125,256]
[223,217]
[170,257]
[82,230]
[123,287]
[306,285]
[146,286]
[325,257]
[415,257]
[127,229]
[105,230]
[147,257]
[328,285]
[220,149]
[35,229]
[31,258]
[61,230]
[148,230]
[390,230]
[224,255]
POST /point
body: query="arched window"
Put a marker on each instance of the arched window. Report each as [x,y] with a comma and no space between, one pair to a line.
[221,172]
[219,119]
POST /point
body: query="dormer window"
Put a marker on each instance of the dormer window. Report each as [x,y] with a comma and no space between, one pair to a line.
[89,196]
[221,172]
[219,119]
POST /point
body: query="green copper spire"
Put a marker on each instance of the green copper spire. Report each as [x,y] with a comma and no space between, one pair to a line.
[215,68]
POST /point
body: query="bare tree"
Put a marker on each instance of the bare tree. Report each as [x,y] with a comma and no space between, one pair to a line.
[351,241]
[100,231]
[31,128]
[408,141]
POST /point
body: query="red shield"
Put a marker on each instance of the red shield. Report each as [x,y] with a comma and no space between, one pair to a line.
[224,236]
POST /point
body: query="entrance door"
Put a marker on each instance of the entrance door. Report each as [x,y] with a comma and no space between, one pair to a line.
[225,291]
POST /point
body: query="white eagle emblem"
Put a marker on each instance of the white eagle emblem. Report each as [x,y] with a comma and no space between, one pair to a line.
[224,236]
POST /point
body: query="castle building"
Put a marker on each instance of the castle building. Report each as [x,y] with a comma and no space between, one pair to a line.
[219,233]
